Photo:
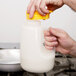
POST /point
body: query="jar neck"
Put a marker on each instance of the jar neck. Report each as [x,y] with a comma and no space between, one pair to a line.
[33,22]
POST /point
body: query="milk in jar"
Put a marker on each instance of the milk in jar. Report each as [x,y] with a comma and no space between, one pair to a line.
[34,56]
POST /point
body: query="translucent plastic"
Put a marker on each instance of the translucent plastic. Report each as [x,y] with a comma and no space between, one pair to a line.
[34,56]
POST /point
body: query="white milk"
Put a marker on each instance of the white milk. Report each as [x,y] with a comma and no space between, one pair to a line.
[34,57]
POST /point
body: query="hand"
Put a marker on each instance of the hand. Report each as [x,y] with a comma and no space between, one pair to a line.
[40,6]
[60,39]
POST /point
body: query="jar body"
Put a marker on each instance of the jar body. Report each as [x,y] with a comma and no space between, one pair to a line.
[34,57]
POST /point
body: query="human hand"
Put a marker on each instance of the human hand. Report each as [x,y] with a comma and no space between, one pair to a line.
[59,39]
[40,6]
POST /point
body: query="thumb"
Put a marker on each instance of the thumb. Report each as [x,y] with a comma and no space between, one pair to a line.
[56,32]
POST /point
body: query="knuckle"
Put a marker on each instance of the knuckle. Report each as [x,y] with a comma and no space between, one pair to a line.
[50,39]
[47,43]
[64,36]
[36,5]
[41,7]
[47,38]
[52,44]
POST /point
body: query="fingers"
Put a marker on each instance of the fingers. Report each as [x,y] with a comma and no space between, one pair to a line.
[32,11]
[51,44]
[49,48]
[29,6]
[50,39]
[38,7]
[46,33]
[55,32]
[48,36]
[43,7]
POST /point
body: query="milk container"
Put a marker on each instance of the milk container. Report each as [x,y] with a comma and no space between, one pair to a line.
[34,56]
